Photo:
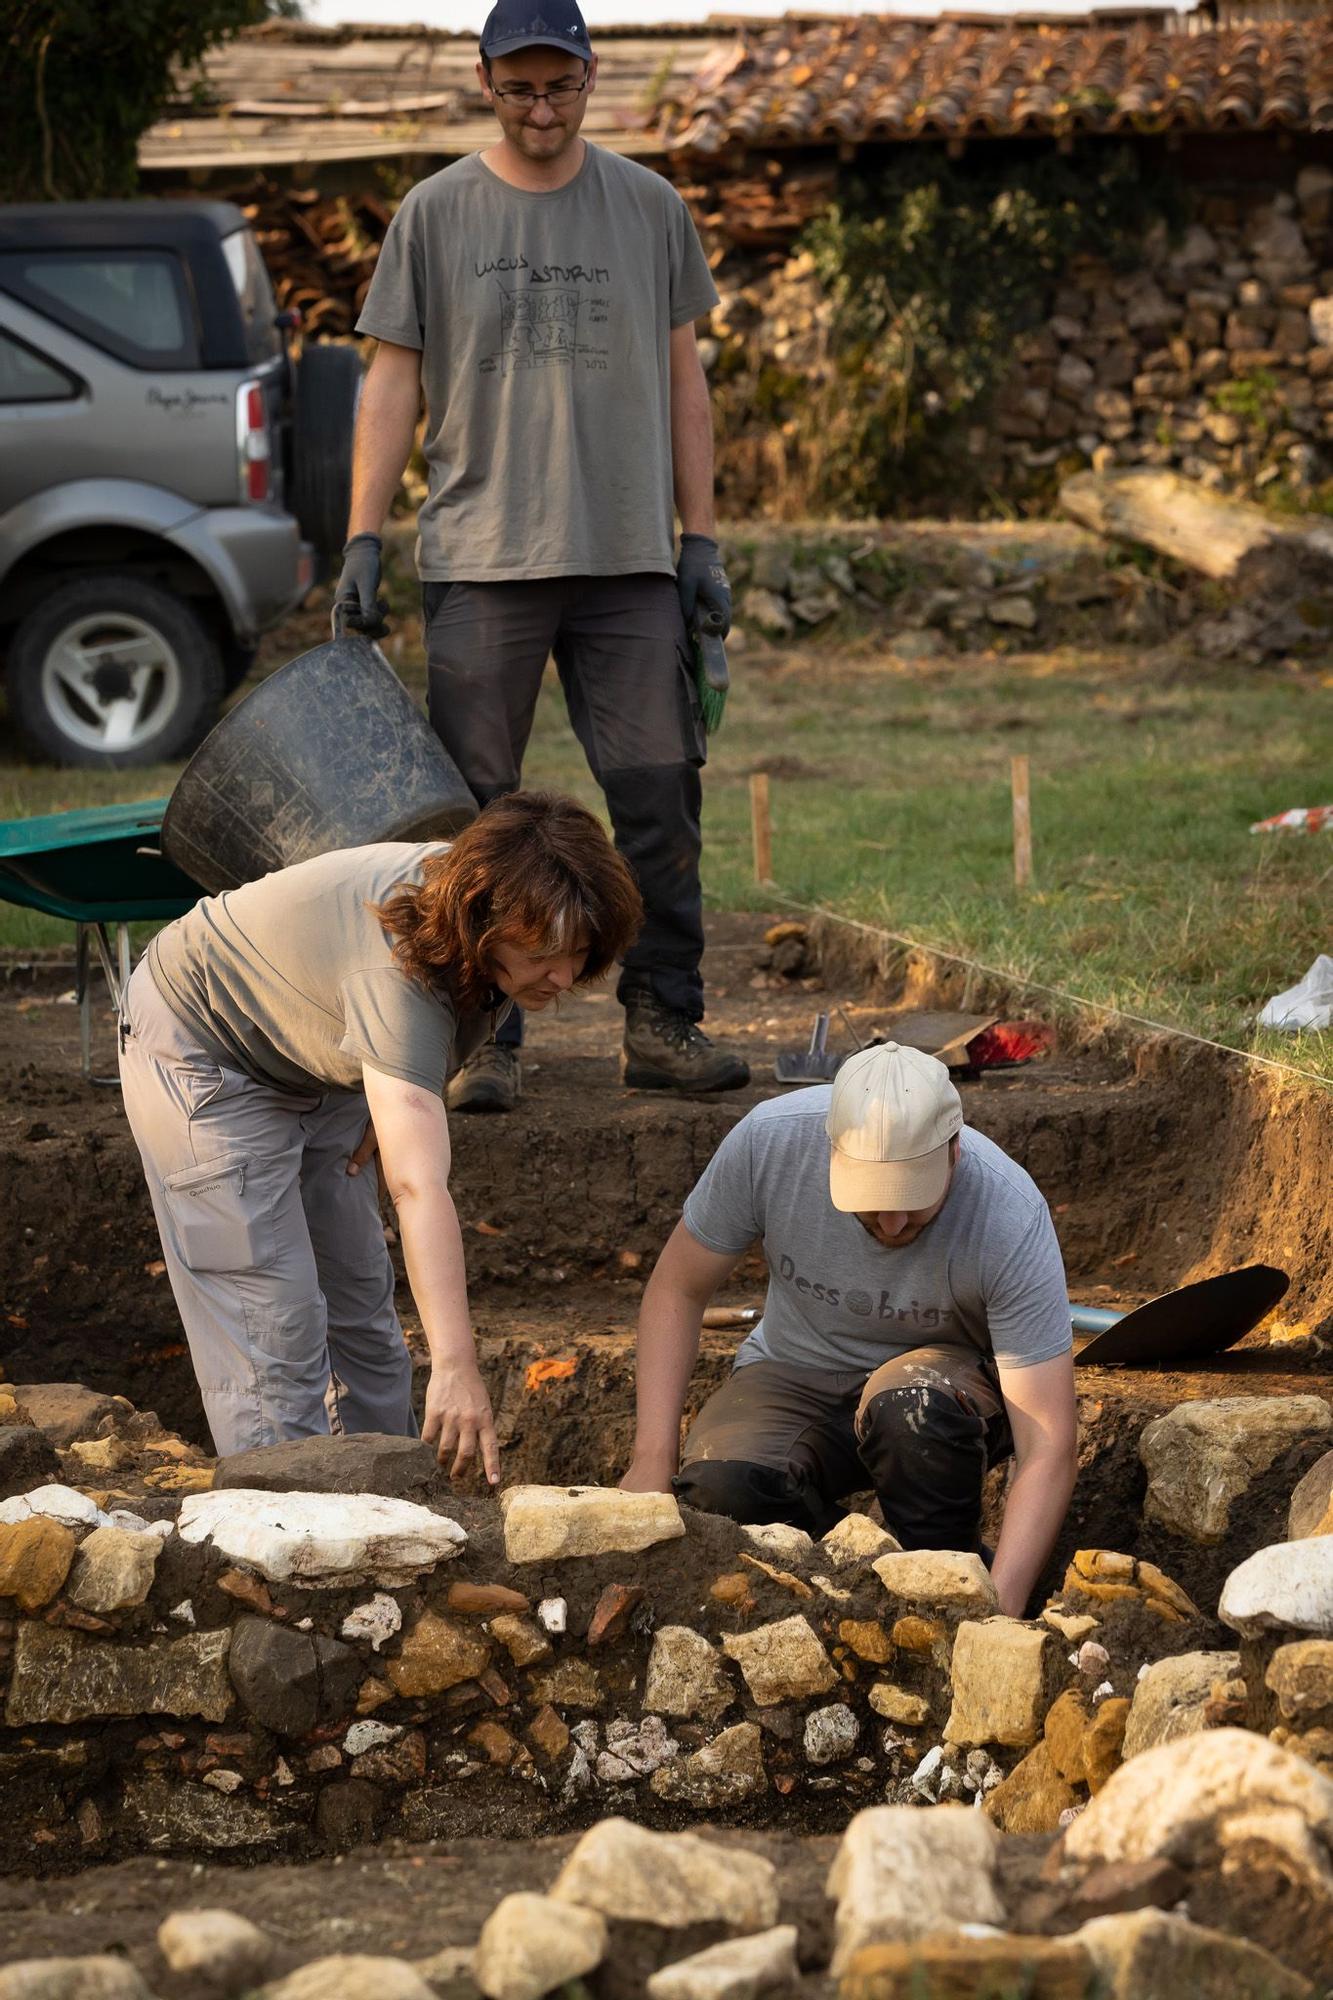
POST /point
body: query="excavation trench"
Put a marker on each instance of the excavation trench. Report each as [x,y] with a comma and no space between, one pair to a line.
[1160,1164]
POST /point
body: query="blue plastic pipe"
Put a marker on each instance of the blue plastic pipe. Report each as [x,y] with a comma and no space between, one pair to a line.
[1093,1319]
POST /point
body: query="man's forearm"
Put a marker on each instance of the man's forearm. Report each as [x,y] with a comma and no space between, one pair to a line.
[692,450]
[1034,1512]
[386,426]
[433,1252]
[668,1347]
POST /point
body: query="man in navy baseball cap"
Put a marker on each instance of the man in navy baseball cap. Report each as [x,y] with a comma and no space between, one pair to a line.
[542,295]
[520,24]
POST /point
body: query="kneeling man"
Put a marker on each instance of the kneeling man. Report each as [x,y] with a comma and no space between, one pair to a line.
[916,1329]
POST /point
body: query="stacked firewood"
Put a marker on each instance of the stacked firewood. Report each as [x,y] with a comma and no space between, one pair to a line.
[320,249]
[759,211]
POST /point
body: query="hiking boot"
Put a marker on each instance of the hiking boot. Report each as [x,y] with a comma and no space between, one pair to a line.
[664,1050]
[488,1080]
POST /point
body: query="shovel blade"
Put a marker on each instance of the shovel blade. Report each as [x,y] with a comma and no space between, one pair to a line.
[805,1066]
[1192,1323]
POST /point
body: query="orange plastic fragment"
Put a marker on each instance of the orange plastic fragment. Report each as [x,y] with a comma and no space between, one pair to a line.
[551,1370]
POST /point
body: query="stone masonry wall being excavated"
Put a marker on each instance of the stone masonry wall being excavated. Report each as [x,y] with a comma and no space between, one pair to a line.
[284,1656]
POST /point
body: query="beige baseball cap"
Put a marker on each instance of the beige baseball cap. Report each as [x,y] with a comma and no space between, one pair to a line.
[890,1120]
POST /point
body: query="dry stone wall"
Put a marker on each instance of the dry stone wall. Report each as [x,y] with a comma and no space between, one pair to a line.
[1212,355]
[278,1663]
[274,1667]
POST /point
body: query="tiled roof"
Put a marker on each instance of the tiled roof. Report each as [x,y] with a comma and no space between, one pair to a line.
[852,80]
[291,93]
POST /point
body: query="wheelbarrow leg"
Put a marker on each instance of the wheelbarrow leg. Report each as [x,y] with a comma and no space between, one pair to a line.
[84,999]
[117,971]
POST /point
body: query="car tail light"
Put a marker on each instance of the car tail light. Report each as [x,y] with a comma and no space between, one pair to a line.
[252,443]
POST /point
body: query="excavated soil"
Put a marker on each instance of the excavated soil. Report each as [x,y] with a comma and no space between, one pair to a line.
[397,1899]
[1161,1165]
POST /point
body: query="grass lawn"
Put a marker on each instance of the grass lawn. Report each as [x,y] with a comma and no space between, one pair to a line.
[890,791]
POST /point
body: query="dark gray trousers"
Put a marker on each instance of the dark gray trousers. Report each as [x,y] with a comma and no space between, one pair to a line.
[776,1443]
[621,652]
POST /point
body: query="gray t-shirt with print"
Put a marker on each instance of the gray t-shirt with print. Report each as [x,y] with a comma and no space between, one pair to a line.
[292,979]
[985,1276]
[543,324]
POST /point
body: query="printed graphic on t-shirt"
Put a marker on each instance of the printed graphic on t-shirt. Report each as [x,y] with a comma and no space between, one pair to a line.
[550,315]
[884,1307]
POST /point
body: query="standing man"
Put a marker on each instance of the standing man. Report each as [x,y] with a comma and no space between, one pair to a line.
[916,1329]
[543,294]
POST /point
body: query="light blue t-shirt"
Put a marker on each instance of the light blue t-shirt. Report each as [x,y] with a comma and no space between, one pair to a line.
[986,1275]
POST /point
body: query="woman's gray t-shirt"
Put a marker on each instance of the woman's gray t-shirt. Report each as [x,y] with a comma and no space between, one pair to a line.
[543,321]
[986,1275]
[292,979]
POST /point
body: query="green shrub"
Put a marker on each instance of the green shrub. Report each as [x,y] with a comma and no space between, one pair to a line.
[934,270]
[86,78]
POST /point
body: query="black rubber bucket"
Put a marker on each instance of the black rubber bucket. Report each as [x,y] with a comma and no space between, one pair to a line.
[330,751]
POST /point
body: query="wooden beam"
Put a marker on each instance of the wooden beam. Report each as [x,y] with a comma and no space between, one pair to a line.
[1019,785]
[761,829]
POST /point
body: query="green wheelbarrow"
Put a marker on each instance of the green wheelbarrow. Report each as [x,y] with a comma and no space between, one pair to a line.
[100,868]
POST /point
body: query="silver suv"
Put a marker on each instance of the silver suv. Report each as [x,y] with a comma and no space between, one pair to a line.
[169,477]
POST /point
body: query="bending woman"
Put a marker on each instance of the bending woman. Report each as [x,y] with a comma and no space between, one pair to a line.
[267,1032]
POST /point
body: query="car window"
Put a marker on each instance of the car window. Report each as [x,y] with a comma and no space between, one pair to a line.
[134,303]
[26,377]
[263,339]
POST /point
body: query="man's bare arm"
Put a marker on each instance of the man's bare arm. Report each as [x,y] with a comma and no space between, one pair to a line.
[1043,1415]
[670,1317]
[386,424]
[691,436]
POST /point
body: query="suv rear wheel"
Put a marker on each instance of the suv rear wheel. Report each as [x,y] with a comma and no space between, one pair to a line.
[327,391]
[109,670]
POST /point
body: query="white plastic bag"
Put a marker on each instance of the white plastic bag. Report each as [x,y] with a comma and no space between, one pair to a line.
[1309,1004]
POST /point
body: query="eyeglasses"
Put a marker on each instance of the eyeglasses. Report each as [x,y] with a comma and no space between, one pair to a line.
[523,98]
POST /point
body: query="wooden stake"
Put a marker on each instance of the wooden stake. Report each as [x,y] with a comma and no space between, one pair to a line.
[761,827]
[1018,780]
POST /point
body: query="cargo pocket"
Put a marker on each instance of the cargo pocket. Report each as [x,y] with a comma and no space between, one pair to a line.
[221,1216]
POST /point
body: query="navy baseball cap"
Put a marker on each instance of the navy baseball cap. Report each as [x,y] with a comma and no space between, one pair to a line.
[520,24]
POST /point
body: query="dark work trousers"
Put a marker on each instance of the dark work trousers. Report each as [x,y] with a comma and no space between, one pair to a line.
[621,651]
[777,1443]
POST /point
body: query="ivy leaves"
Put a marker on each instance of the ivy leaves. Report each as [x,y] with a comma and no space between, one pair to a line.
[934,270]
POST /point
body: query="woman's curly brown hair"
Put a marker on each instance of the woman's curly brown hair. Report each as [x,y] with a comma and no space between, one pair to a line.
[533,870]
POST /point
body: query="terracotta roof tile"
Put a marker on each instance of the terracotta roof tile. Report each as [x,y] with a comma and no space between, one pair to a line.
[803,82]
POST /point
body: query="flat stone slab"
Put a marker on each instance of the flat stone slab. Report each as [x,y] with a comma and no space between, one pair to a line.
[63,1676]
[65,1411]
[314,1539]
[1286,1587]
[56,1503]
[371,1462]
[545,1523]
[1202,1457]
[947,1579]
[670,1879]
[902,1874]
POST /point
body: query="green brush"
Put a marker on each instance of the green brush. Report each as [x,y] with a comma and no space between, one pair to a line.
[710,668]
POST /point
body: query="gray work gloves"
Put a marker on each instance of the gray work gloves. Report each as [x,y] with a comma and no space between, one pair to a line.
[705,594]
[357,595]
